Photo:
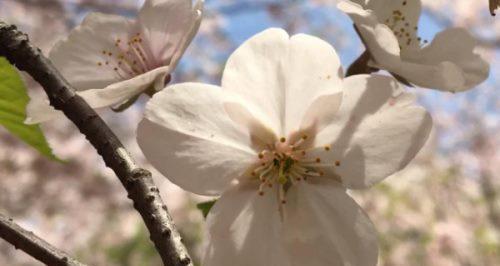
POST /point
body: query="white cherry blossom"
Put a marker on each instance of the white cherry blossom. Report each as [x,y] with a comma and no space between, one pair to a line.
[389,30]
[280,141]
[111,59]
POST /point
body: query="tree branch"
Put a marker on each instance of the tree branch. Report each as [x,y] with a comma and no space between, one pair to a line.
[360,65]
[138,182]
[33,245]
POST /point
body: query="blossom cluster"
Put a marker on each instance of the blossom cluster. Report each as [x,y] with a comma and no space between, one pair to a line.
[287,134]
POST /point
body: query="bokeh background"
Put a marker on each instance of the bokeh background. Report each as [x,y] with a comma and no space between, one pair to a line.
[443,209]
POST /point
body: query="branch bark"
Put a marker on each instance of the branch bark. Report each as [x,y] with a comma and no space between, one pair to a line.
[15,46]
[33,245]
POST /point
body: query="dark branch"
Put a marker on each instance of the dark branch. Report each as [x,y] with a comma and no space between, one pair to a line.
[494,4]
[33,245]
[138,182]
[360,65]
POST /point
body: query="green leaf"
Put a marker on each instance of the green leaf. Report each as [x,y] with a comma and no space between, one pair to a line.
[13,101]
[205,207]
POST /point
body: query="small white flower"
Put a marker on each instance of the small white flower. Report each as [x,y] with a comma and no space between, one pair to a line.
[280,141]
[389,30]
[111,60]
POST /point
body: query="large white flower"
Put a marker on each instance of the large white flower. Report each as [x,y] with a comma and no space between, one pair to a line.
[111,60]
[389,30]
[280,141]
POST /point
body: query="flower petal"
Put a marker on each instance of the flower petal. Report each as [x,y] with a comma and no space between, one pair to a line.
[445,76]
[377,37]
[456,45]
[119,92]
[282,75]
[312,69]
[260,132]
[88,57]
[39,110]
[255,71]
[324,226]
[187,135]
[244,229]
[321,112]
[378,131]
[168,27]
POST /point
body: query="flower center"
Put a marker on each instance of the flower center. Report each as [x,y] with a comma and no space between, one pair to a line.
[404,30]
[286,163]
[127,59]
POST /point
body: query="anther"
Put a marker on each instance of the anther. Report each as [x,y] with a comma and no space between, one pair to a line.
[327,148]
[318,160]
[282,139]
[337,163]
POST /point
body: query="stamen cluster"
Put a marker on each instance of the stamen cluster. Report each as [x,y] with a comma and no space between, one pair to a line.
[286,163]
[127,59]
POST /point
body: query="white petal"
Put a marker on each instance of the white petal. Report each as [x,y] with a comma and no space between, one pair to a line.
[168,27]
[244,229]
[378,131]
[186,41]
[256,128]
[445,75]
[321,112]
[282,75]
[124,90]
[312,69]
[377,37]
[78,57]
[456,45]
[255,71]
[187,135]
[39,110]
[324,226]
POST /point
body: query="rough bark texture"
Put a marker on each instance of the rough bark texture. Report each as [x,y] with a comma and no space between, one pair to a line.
[33,245]
[138,182]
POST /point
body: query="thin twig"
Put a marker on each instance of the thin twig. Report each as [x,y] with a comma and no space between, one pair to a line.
[138,182]
[33,245]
